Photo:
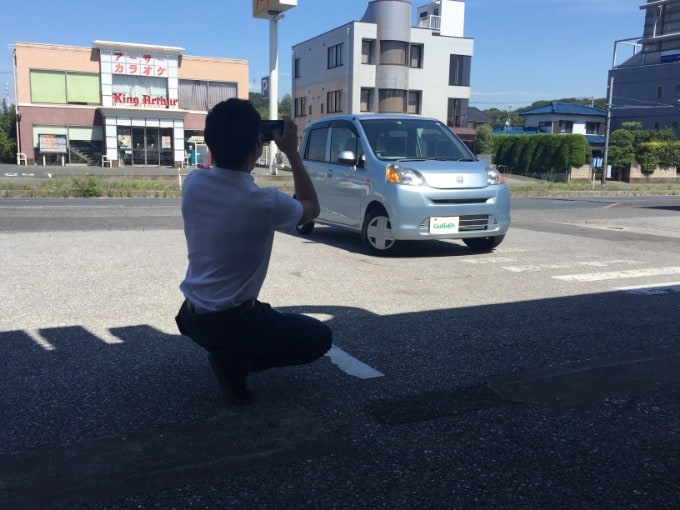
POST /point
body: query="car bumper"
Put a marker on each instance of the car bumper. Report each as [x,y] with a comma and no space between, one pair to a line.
[481,212]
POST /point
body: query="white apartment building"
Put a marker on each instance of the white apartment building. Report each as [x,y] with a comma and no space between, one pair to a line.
[384,64]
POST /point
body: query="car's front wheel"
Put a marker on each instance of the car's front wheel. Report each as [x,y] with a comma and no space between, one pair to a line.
[483,243]
[377,233]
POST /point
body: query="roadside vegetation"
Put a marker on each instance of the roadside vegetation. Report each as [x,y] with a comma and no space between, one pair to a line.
[91,186]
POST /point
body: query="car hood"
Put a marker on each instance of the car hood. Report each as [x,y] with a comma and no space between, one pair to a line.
[450,174]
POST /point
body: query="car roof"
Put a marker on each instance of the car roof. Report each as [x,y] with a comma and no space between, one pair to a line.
[372,116]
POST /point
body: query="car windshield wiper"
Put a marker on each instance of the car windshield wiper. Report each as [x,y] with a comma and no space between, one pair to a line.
[439,158]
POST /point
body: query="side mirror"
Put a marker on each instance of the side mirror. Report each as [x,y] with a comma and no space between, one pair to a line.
[347,158]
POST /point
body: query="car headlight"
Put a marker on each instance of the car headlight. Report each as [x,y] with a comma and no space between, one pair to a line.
[406,176]
[493,176]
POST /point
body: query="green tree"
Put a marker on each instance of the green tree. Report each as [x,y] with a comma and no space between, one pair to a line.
[8,133]
[262,105]
[483,139]
[286,106]
[621,150]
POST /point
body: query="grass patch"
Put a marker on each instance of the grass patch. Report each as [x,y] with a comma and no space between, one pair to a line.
[91,186]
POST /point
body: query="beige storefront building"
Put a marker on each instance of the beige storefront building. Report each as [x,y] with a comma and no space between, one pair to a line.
[118,104]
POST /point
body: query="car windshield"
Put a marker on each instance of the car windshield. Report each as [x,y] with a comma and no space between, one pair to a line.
[394,139]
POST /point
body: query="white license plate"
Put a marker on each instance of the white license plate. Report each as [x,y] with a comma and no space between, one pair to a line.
[444,225]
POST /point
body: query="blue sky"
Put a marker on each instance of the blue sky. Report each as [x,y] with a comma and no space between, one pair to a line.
[525,50]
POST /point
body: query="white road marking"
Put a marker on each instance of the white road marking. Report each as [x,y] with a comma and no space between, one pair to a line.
[650,290]
[616,275]
[103,334]
[546,267]
[490,260]
[351,365]
[35,335]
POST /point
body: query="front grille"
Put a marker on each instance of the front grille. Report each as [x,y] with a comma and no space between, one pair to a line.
[458,201]
[469,223]
[473,222]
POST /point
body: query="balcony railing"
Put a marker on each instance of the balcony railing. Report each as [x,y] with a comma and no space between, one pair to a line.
[431,22]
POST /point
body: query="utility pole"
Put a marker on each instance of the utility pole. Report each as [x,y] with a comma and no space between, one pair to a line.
[605,159]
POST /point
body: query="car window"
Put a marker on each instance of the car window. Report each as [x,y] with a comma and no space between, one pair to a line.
[435,144]
[392,139]
[316,147]
[343,139]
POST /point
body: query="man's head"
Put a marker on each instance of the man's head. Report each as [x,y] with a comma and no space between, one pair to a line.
[232,133]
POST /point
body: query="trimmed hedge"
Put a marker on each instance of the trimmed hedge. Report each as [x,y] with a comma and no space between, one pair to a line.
[540,154]
[653,154]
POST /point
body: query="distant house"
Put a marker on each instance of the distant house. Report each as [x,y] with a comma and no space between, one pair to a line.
[476,117]
[564,118]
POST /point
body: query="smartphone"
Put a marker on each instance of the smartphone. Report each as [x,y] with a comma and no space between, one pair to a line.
[270,127]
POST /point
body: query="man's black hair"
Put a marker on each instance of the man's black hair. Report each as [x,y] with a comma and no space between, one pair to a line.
[232,128]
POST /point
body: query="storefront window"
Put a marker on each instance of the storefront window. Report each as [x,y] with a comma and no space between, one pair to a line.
[71,145]
[145,146]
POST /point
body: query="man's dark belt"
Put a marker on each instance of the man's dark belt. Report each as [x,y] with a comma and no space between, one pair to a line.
[241,309]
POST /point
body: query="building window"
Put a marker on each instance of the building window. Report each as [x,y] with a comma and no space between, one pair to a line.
[310,109]
[393,52]
[659,92]
[335,56]
[459,70]
[416,56]
[592,128]
[60,87]
[566,126]
[197,95]
[300,106]
[392,101]
[366,100]
[545,126]
[297,68]
[456,112]
[367,51]
[414,101]
[334,101]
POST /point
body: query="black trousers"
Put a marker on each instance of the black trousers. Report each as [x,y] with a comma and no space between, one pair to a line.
[258,338]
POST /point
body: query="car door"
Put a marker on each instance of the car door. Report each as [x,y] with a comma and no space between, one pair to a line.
[345,186]
[315,161]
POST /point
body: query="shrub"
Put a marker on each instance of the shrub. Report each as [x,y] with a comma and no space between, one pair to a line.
[87,187]
[648,156]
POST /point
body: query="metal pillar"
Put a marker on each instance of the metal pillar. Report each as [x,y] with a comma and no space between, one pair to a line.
[273,82]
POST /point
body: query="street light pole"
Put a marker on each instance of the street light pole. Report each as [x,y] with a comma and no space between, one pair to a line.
[273,80]
[605,158]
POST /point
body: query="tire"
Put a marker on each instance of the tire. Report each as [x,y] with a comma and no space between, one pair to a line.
[483,243]
[377,235]
[305,229]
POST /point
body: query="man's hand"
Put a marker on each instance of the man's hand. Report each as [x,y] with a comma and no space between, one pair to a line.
[304,189]
[287,142]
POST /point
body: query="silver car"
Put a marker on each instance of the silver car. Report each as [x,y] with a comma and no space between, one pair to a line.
[402,177]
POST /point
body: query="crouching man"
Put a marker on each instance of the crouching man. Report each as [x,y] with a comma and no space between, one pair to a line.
[229,225]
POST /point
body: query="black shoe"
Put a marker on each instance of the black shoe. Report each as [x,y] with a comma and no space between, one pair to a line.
[232,380]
